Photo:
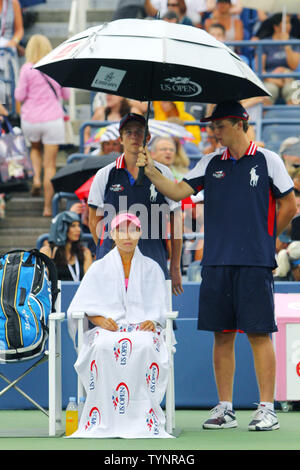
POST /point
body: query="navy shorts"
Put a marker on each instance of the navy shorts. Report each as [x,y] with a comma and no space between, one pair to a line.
[237,298]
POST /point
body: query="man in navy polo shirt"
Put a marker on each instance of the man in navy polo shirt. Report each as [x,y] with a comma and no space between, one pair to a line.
[242,185]
[114,190]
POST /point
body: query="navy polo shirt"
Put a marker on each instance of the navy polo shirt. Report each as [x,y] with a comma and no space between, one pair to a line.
[240,205]
[114,190]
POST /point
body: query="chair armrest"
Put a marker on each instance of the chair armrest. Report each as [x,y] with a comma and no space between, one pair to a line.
[57,316]
[172,315]
[78,315]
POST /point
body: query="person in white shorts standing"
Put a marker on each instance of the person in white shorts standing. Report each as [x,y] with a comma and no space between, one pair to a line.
[42,117]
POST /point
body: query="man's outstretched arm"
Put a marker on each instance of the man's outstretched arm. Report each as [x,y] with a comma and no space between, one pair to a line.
[167,187]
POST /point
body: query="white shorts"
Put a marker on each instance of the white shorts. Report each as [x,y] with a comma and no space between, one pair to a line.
[49,132]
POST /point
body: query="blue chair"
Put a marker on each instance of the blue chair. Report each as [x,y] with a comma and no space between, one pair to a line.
[275,134]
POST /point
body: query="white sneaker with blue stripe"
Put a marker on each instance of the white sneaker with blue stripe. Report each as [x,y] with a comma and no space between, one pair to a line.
[221,418]
[264,419]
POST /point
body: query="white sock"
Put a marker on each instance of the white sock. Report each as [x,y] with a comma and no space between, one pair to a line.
[226,404]
[267,404]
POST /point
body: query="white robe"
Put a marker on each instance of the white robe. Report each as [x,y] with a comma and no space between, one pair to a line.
[124,373]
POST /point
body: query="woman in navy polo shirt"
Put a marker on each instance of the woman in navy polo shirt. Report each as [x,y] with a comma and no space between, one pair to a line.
[242,186]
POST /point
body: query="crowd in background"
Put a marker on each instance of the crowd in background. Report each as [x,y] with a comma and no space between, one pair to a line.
[42,114]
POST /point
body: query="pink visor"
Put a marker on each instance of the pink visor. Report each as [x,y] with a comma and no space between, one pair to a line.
[126,217]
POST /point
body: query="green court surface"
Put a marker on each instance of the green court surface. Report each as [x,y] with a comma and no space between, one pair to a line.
[32,425]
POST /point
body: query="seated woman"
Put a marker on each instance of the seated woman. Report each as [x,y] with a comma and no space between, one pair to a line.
[71,258]
[281,60]
[123,363]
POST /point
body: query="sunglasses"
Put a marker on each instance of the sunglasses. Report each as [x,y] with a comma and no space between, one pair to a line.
[172,4]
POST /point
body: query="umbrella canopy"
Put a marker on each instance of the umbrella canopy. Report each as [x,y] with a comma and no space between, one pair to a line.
[73,175]
[156,129]
[151,60]
[83,191]
[273,6]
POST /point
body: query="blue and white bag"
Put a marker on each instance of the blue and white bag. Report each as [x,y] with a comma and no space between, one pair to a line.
[27,297]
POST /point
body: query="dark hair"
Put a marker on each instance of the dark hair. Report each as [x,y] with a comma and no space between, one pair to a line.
[236,120]
[218,25]
[170,15]
[124,107]
[276,19]
[76,250]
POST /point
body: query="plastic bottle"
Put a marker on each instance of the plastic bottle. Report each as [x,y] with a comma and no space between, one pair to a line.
[80,407]
[71,416]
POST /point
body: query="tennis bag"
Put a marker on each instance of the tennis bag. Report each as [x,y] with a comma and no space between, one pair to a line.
[27,297]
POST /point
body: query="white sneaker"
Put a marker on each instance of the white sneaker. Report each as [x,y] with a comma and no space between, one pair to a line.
[264,419]
[220,418]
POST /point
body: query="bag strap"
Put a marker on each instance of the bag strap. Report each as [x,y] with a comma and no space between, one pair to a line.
[53,89]
[52,272]
[50,84]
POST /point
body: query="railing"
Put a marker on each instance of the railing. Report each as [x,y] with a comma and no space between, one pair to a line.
[258,45]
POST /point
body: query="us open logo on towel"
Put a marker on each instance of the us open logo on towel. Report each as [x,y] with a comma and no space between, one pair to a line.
[120,398]
[94,419]
[93,375]
[152,422]
[122,351]
[180,86]
[156,342]
[108,78]
[152,375]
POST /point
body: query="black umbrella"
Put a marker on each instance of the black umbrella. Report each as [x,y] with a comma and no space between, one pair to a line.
[73,175]
[151,60]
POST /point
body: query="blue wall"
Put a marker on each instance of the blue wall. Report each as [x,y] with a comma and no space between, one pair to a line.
[194,378]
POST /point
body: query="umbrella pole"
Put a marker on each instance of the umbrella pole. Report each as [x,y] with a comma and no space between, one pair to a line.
[139,181]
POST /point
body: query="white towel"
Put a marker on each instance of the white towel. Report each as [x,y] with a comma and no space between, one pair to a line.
[102,291]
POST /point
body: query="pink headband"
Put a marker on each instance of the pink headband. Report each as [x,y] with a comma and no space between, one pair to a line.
[124,218]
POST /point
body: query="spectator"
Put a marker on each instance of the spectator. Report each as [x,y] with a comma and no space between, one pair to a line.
[82,209]
[12,31]
[164,150]
[71,258]
[211,140]
[179,7]
[234,29]
[171,17]
[282,241]
[194,9]
[42,117]
[2,205]
[164,110]
[114,109]
[218,31]
[296,180]
[288,261]
[235,8]
[129,9]
[290,153]
[138,107]
[282,60]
